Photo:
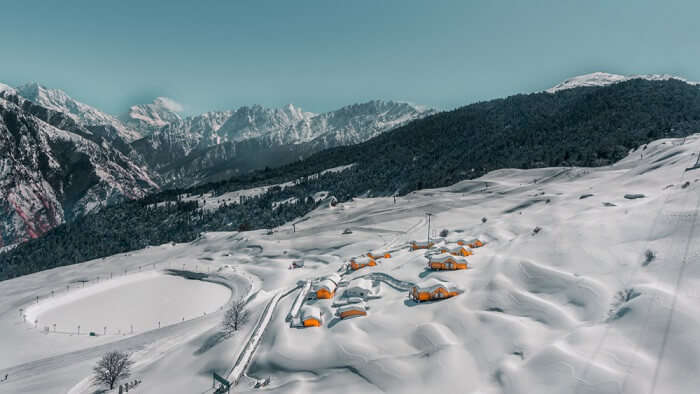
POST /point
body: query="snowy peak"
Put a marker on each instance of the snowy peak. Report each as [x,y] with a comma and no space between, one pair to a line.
[6,88]
[150,117]
[58,100]
[257,121]
[605,79]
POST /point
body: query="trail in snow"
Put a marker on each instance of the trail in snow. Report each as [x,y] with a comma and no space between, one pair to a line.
[252,343]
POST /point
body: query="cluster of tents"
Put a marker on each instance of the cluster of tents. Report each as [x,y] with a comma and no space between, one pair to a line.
[355,294]
[444,257]
[369,260]
[441,256]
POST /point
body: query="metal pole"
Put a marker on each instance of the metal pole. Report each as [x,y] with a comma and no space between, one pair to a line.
[429,215]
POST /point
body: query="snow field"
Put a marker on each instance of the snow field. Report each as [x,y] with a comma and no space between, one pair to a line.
[129,304]
[574,307]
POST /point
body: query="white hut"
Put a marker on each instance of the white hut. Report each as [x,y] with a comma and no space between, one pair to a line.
[362,288]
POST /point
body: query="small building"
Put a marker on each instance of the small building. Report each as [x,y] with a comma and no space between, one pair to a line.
[446,261]
[455,251]
[415,245]
[472,243]
[361,262]
[352,310]
[379,255]
[325,287]
[311,316]
[433,289]
[459,251]
[362,288]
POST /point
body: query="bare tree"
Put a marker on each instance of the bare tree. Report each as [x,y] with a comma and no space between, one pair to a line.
[236,317]
[111,368]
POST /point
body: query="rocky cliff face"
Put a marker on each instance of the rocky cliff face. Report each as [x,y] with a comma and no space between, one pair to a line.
[53,169]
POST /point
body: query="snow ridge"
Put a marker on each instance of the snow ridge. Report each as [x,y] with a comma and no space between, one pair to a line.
[605,79]
[57,100]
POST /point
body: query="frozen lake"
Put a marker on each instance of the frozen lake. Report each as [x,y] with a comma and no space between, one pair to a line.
[141,302]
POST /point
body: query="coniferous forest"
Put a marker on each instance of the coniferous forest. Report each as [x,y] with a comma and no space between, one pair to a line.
[590,126]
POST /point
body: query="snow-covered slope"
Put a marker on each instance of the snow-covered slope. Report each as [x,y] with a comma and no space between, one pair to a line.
[58,100]
[53,169]
[563,298]
[604,79]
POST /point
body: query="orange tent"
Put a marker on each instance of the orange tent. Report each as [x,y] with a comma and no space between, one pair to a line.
[472,243]
[357,263]
[347,311]
[433,289]
[311,316]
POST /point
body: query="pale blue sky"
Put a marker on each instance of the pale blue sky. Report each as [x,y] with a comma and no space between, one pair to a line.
[323,54]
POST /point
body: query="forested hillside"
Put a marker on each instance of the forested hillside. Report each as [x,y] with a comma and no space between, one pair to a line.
[590,126]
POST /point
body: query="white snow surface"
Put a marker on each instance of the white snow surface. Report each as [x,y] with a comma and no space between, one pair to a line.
[604,79]
[134,302]
[573,308]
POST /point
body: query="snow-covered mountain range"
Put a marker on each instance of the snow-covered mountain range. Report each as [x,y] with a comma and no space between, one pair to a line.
[62,157]
[190,150]
[604,79]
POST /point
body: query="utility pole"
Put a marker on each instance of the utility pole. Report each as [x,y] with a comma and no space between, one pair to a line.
[429,215]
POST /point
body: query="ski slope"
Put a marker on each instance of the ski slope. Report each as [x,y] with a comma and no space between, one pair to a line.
[576,306]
